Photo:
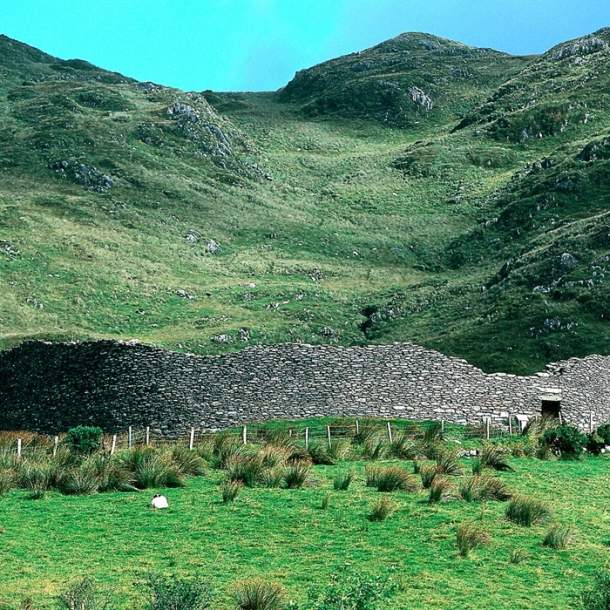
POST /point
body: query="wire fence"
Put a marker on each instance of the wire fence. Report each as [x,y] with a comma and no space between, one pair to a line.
[22,444]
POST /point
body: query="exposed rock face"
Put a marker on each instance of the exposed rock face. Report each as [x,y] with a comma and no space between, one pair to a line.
[195,125]
[420,98]
[580,47]
[50,387]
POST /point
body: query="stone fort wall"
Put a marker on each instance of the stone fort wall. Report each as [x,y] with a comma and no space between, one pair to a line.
[50,387]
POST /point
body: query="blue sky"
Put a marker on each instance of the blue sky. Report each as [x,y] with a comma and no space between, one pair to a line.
[259,44]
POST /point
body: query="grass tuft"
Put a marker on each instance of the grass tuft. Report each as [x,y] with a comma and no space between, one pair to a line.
[382,509]
[395,478]
[470,536]
[342,480]
[527,511]
[558,537]
[258,594]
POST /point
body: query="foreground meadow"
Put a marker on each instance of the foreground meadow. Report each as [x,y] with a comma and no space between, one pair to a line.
[301,537]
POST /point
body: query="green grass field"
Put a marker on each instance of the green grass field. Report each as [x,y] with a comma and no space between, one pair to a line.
[284,535]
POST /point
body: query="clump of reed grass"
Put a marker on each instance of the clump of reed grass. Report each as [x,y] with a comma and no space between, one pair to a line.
[518,555]
[187,461]
[395,478]
[482,487]
[382,509]
[527,511]
[296,475]
[427,472]
[230,490]
[371,475]
[470,536]
[402,447]
[495,457]
[342,480]
[441,490]
[448,463]
[247,469]
[558,537]
[258,594]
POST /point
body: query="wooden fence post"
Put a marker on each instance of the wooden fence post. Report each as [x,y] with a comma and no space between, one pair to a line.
[113,447]
[18,448]
[488,428]
[442,426]
[591,426]
[244,435]
[306,438]
[390,432]
[148,436]
[328,436]
[510,424]
[129,437]
[55,445]
[192,439]
[357,427]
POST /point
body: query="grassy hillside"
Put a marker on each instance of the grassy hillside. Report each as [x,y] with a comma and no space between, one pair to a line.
[208,222]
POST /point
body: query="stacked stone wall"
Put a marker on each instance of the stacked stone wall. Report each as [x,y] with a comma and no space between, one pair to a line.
[50,387]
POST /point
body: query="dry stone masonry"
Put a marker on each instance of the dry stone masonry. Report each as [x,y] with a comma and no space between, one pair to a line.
[50,387]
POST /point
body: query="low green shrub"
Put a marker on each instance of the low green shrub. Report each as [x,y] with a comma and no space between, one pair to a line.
[353,592]
[36,478]
[325,503]
[382,509]
[342,480]
[83,595]
[469,536]
[598,596]
[527,511]
[173,593]
[84,439]
[604,433]
[7,481]
[258,594]
[566,441]
[558,537]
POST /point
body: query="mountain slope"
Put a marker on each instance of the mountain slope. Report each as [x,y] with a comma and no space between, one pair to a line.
[210,221]
[410,79]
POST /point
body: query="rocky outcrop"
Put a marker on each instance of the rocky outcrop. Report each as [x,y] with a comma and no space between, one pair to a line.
[87,176]
[50,387]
